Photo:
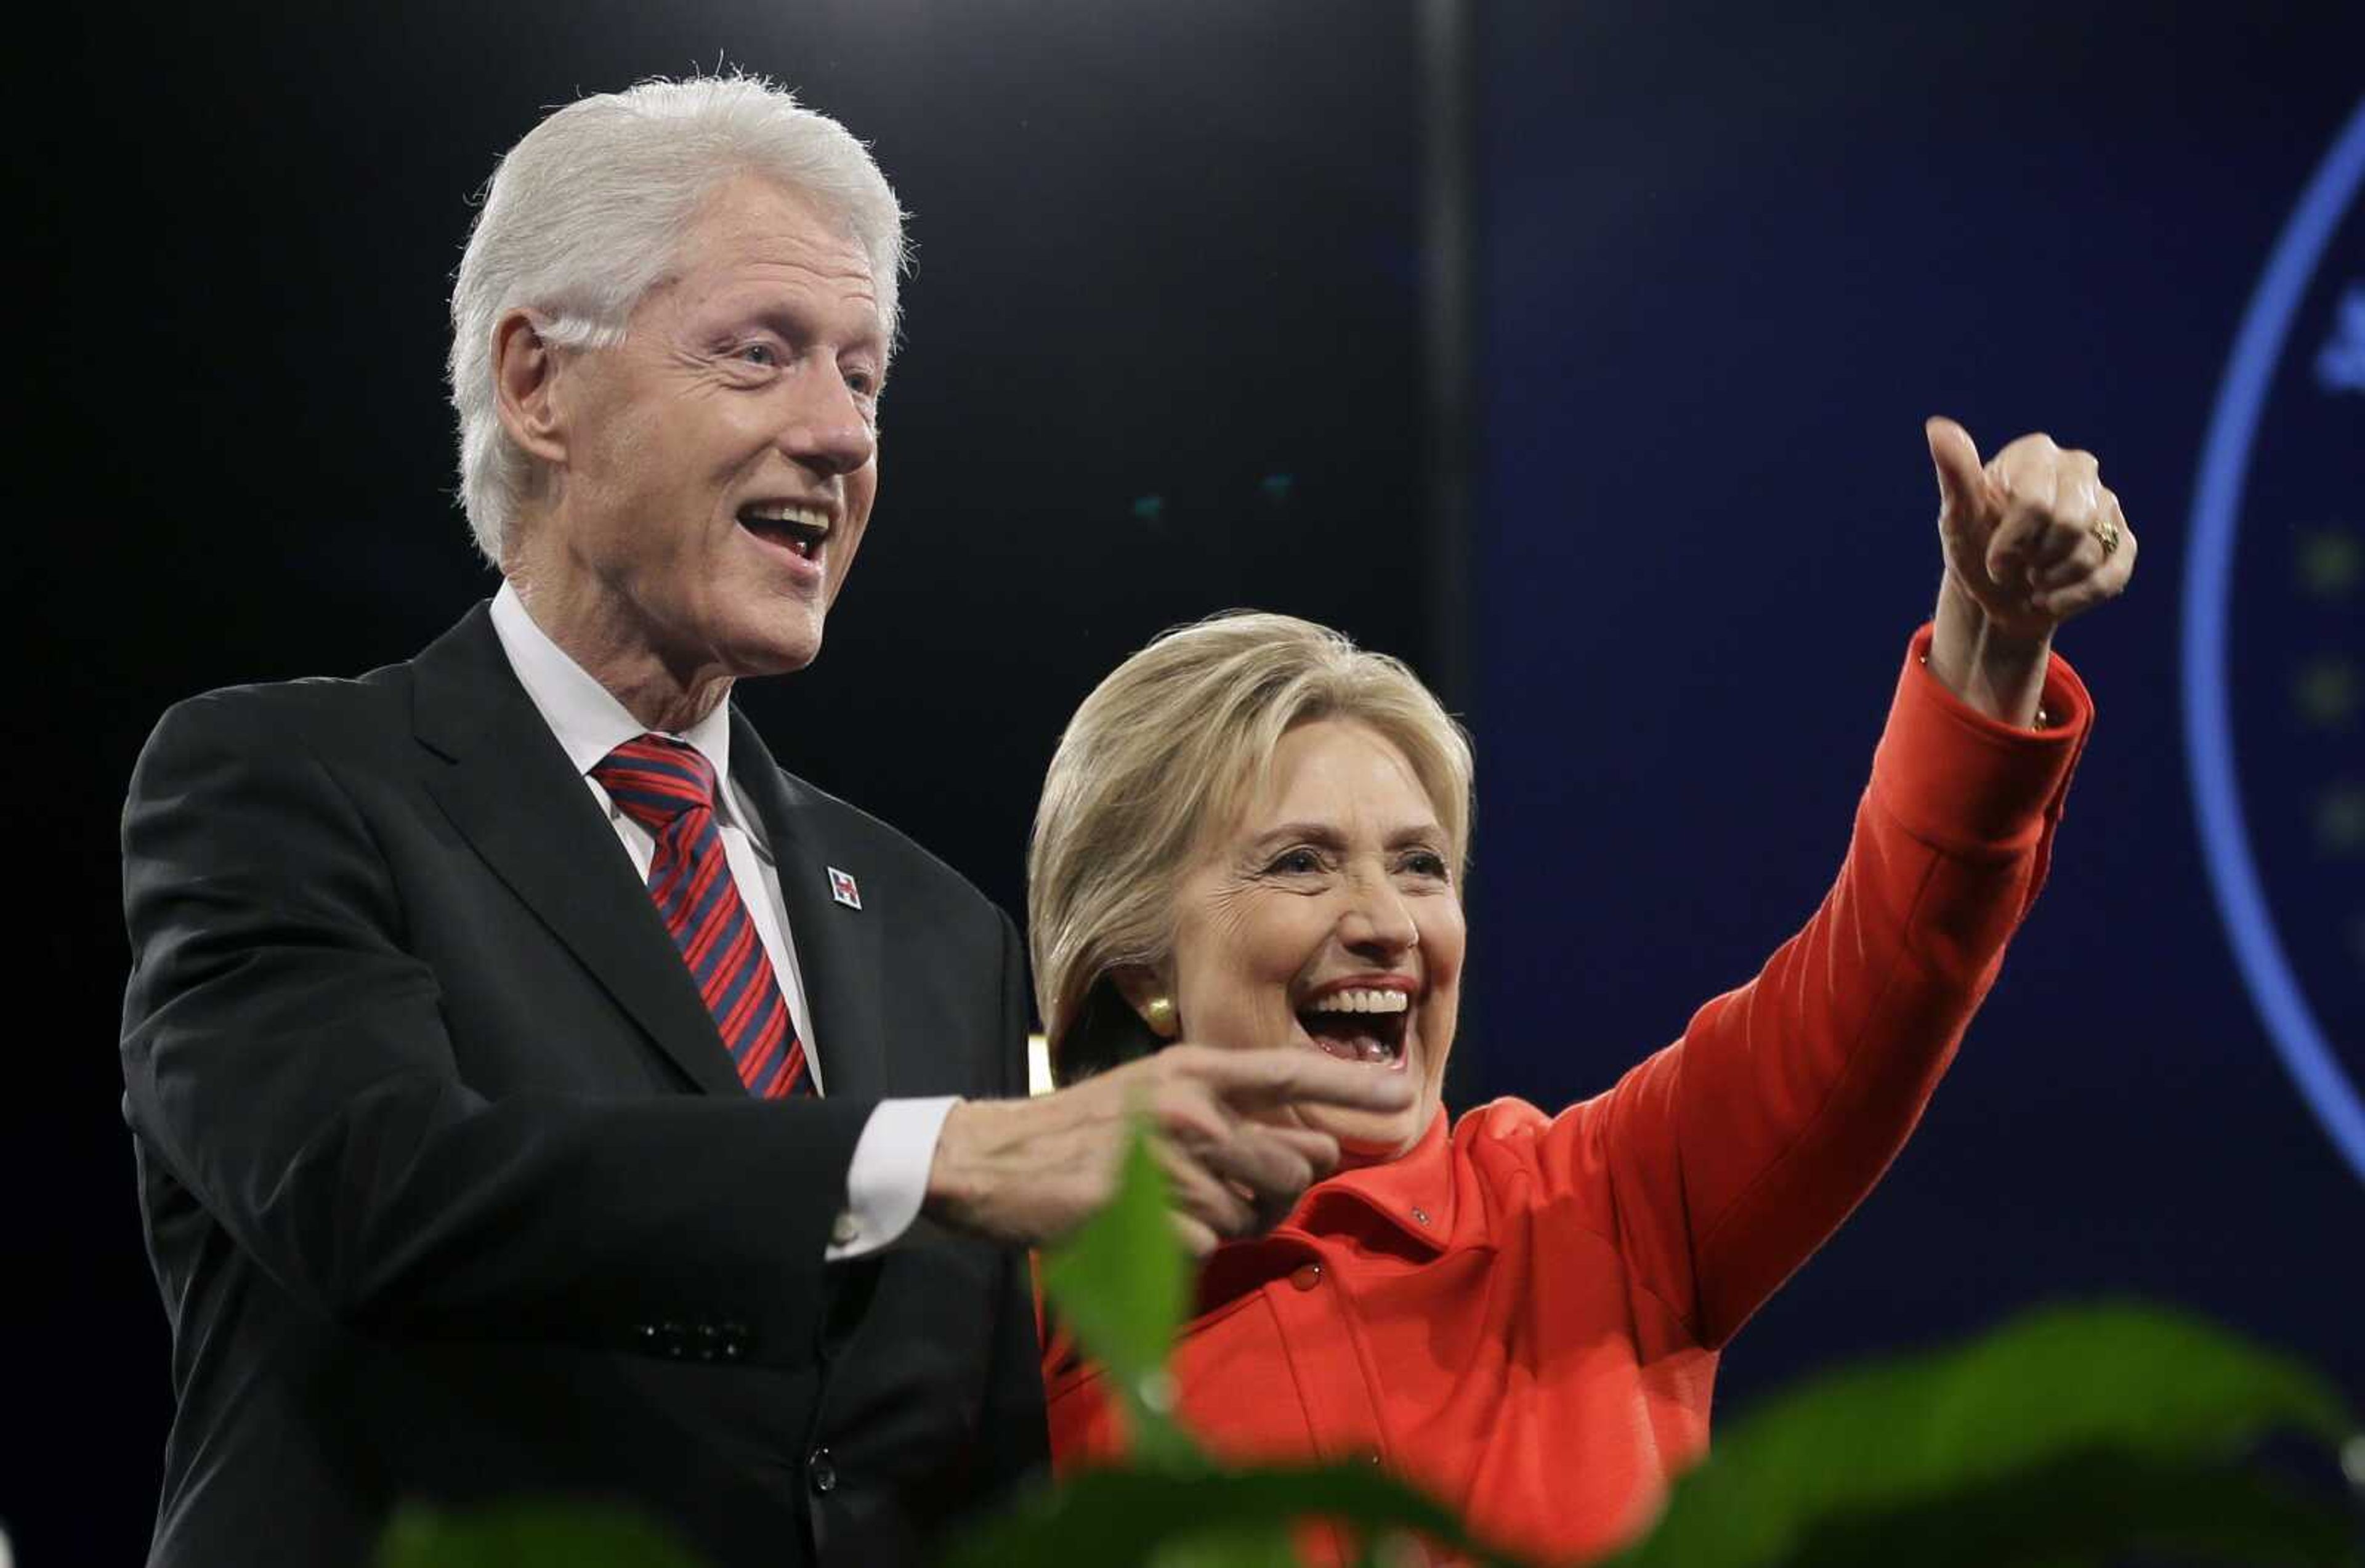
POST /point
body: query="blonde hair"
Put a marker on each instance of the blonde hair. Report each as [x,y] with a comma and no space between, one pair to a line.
[1168,749]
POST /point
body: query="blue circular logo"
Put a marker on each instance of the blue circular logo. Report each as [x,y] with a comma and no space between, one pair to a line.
[2280,508]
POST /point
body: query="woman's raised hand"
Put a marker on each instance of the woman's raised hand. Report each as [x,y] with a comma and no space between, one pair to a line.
[2030,538]
[2033,536]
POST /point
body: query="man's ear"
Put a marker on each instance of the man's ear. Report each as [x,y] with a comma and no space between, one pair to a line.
[525,376]
[1150,996]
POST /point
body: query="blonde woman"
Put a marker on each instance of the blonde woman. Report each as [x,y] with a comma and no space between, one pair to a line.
[1254,832]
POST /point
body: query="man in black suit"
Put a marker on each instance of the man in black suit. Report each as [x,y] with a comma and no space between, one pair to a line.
[534,1089]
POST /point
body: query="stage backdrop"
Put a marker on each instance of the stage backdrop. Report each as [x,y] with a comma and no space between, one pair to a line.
[1728,267]
[1165,355]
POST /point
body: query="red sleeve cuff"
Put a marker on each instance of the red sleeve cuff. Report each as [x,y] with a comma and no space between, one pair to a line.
[1966,783]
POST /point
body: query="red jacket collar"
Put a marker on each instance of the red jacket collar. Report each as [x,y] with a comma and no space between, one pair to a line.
[1413,1192]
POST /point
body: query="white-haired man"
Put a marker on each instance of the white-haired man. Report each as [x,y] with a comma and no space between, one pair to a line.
[534,1089]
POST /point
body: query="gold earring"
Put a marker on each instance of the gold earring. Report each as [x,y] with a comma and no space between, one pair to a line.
[1159,1013]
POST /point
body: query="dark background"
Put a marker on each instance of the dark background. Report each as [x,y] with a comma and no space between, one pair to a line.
[1165,355]
[1730,266]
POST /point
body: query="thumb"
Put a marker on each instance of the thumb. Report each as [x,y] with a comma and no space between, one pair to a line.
[1962,486]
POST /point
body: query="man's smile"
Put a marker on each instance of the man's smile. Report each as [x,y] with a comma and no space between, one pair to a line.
[799,527]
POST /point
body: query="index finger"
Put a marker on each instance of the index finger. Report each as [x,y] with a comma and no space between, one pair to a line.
[1264,1079]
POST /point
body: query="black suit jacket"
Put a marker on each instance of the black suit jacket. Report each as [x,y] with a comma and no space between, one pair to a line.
[451,1188]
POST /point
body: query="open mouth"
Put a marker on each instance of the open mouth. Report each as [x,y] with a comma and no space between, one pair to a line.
[1359,1025]
[800,530]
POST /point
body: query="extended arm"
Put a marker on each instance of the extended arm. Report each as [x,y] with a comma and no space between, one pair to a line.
[1734,1154]
[1787,1100]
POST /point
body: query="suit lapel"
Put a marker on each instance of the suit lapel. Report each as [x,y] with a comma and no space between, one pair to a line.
[501,777]
[839,949]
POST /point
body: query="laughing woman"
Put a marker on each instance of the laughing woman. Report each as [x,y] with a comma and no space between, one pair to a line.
[1253,832]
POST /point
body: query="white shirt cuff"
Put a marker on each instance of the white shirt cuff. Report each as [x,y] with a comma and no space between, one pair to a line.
[889,1175]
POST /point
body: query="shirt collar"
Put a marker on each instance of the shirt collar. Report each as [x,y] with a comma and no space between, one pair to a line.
[1411,1195]
[585,715]
[1414,1192]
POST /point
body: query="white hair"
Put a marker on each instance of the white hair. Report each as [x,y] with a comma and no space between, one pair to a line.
[586,215]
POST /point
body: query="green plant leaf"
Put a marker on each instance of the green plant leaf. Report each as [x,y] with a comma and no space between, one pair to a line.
[1135,1518]
[528,1535]
[1122,1284]
[2099,1506]
[1121,1281]
[2068,1429]
[1229,1546]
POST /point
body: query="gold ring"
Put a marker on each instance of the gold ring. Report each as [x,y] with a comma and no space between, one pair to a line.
[2106,530]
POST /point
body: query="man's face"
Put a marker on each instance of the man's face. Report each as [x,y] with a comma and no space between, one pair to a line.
[721,461]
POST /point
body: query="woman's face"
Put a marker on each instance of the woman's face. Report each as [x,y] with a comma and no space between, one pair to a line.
[1328,917]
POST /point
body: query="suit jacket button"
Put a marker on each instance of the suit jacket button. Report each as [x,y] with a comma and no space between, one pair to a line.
[1306,1276]
[822,1472]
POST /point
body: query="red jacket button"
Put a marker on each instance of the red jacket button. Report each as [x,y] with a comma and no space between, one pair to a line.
[1306,1276]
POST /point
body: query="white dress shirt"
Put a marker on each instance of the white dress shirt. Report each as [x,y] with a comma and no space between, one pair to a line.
[889,1175]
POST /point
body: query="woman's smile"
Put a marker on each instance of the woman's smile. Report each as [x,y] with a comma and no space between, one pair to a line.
[1360,1018]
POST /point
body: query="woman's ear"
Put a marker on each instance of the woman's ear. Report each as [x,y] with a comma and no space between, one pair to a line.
[1107,1033]
[1151,999]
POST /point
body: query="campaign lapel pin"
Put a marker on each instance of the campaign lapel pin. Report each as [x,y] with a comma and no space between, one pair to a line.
[842,889]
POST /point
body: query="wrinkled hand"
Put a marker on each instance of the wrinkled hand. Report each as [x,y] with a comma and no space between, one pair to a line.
[1029,1172]
[2024,536]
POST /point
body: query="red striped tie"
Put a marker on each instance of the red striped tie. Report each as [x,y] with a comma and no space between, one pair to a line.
[668,789]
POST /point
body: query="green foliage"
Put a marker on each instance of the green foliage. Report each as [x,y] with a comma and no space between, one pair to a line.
[2068,1435]
[528,1535]
[2063,1440]
[1205,1517]
[1122,1280]
[1123,1284]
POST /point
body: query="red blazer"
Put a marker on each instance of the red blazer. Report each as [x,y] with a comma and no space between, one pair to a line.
[1523,1314]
